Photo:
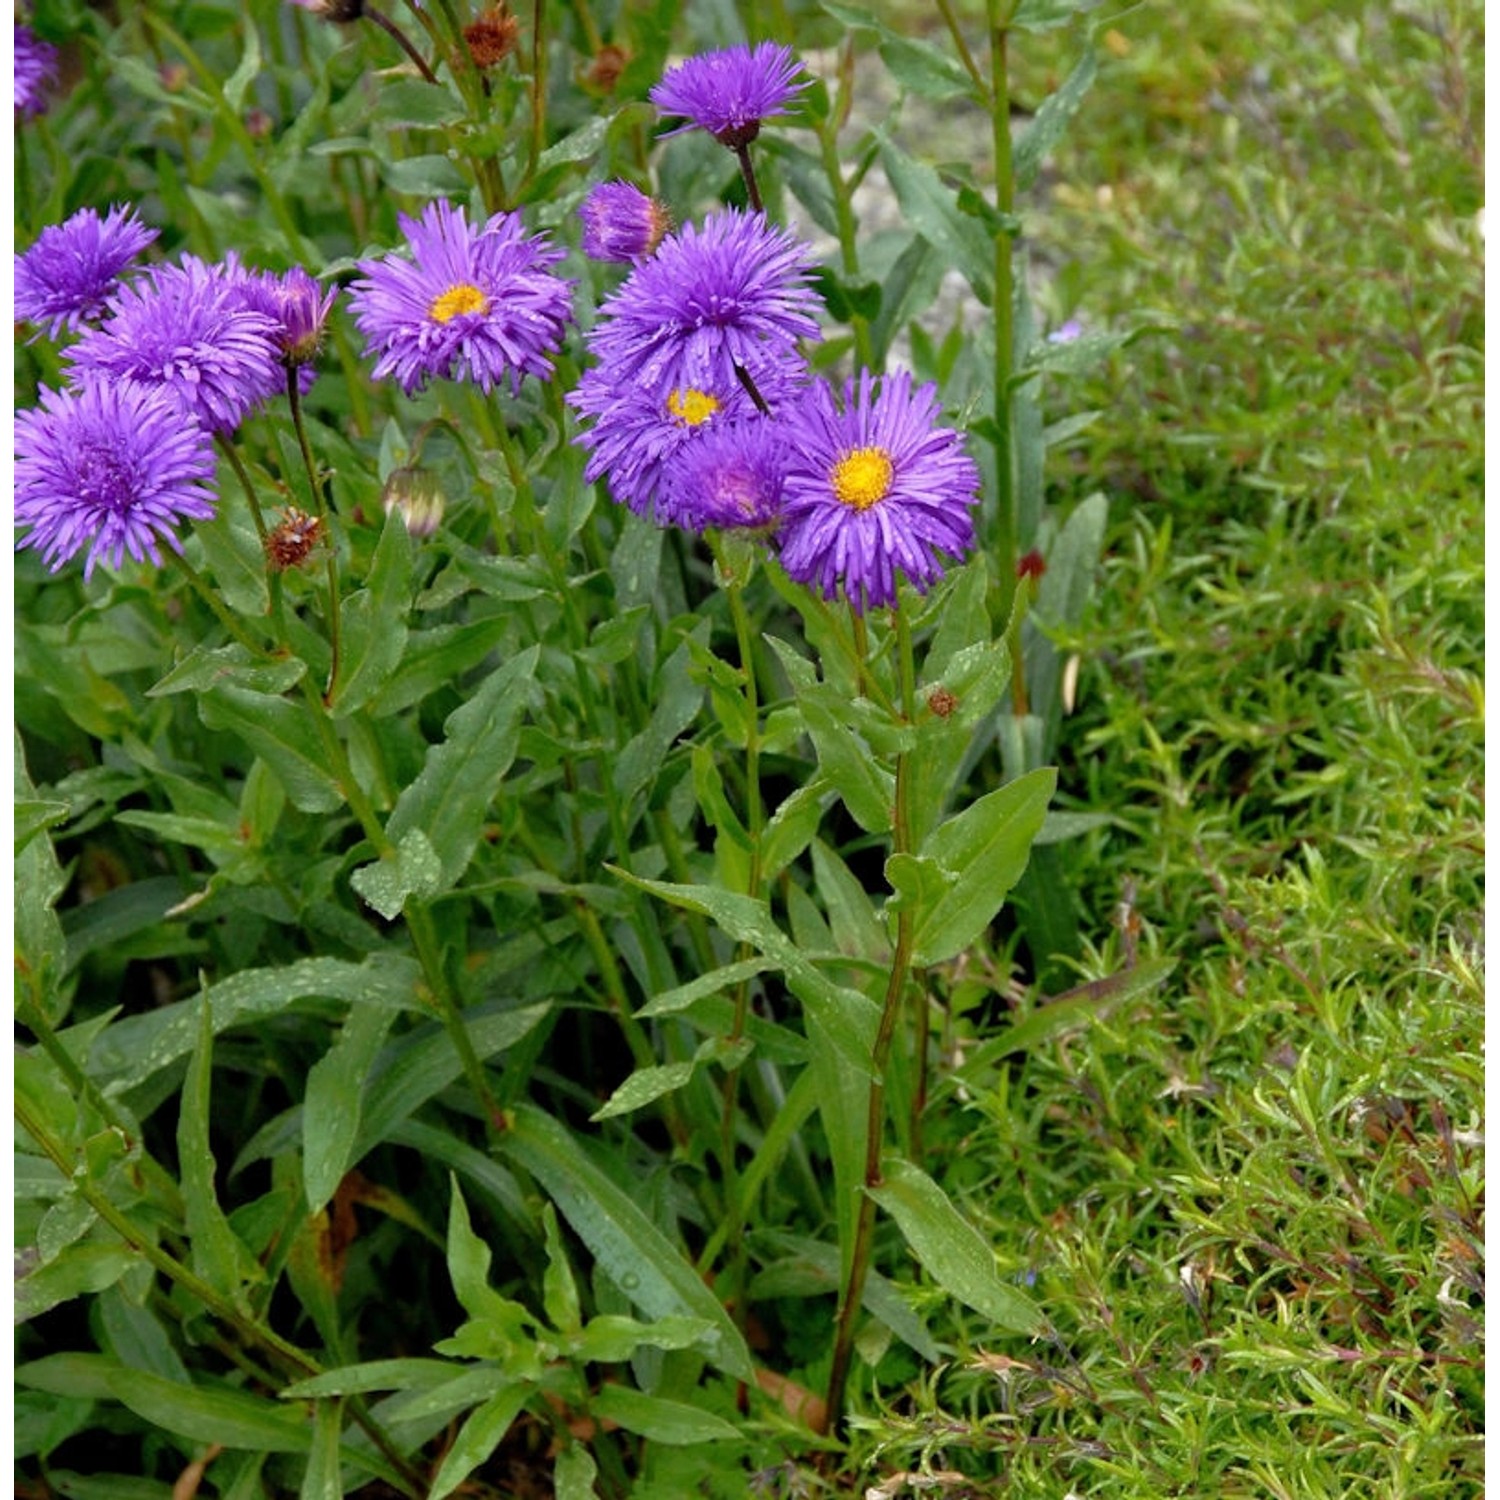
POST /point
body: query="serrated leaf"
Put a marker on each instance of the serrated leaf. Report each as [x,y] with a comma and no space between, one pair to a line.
[669,1422]
[462,773]
[632,1251]
[949,1248]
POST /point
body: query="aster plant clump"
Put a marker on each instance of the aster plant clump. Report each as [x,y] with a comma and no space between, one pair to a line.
[578,678]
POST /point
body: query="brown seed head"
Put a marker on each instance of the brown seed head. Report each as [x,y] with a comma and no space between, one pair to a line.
[941,702]
[291,543]
[492,36]
[604,72]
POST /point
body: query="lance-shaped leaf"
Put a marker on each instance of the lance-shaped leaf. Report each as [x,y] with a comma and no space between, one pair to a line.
[949,1248]
[461,775]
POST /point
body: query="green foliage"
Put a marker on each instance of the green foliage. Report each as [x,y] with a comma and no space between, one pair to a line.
[466,1059]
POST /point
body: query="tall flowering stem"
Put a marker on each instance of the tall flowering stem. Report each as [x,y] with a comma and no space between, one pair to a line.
[890,1012]
[314,479]
[998,13]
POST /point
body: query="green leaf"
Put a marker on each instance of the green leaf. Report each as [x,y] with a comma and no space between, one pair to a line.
[332,1106]
[677,698]
[375,1375]
[632,1251]
[323,1479]
[212,1414]
[932,209]
[283,734]
[559,1290]
[949,1248]
[574,1473]
[233,555]
[238,83]
[1068,1011]
[133,1049]
[424,177]
[478,1438]
[985,849]
[218,1256]
[611,1339]
[462,774]
[415,870]
[644,1085]
[40,948]
[915,64]
[414,101]
[373,626]
[850,915]
[75,1272]
[669,1002]
[204,666]
[669,1422]
[791,827]
[436,659]
[1046,15]
[1052,119]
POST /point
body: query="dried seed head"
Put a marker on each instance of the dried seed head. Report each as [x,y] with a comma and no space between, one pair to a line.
[941,702]
[291,543]
[604,72]
[492,36]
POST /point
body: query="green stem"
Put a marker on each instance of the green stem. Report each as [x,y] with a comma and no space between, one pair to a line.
[1006,518]
[401,39]
[964,55]
[294,401]
[859,1260]
[292,1359]
[747,171]
[31,1016]
[843,209]
[212,600]
[231,453]
[538,87]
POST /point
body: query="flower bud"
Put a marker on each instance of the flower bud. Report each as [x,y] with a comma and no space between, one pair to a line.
[418,496]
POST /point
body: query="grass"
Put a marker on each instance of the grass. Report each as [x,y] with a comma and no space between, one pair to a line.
[1252,1204]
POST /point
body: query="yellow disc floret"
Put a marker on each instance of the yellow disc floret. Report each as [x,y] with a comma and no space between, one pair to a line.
[862,478]
[692,407]
[461,298]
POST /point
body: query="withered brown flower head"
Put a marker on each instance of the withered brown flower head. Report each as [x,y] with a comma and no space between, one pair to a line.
[941,702]
[291,543]
[604,72]
[492,36]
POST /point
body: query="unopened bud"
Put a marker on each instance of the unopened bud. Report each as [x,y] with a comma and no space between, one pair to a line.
[418,496]
[1032,565]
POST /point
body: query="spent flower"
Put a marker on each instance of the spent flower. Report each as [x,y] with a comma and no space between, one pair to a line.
[69,275]
[873,490]
[728,93]
[112,467]
[472,303]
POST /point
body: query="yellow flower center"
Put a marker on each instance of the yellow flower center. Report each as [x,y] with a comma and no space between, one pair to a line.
[462,298]
[863,478]
[691,407]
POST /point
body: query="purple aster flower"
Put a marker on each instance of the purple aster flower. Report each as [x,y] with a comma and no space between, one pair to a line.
[112,466]
[189,330]
[471,304]
[69,275]
[622,223]
[732,293]
[35,69]
[296,306]
[874,489]
[729,93]
[729,479]
[638,431]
